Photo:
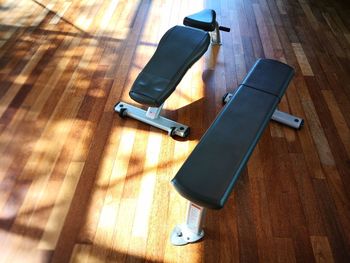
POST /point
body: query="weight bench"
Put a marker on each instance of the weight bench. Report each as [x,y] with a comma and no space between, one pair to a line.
[208,176]
[177,51]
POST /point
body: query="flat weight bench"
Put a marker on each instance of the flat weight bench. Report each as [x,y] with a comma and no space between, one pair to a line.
[208,175]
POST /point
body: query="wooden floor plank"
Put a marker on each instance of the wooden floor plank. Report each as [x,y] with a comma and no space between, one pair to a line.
[80,184]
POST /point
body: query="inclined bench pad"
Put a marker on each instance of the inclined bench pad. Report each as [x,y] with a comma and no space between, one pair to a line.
[177,51]
[209,173]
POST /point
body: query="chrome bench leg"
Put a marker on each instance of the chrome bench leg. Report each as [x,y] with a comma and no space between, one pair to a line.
[215,35]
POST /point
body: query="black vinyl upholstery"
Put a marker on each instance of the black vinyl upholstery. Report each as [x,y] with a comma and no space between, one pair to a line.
[269,76]
[208,175]
[205,20]
[177,51]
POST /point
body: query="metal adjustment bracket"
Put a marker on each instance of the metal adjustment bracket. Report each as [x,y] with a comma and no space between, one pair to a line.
[152,117]
[278,116]
[215,35]
[191,231]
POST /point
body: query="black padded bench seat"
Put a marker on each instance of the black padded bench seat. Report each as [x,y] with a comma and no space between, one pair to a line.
[210,172]
[179,48]
[205,20]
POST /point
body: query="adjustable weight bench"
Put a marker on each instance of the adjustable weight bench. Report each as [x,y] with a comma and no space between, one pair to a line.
[207,177]
[177,51]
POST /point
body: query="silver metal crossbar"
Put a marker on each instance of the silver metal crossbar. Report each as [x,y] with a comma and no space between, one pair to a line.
[152,117]
[279,116]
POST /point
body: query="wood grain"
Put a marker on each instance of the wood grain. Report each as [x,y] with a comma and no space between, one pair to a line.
[80,184]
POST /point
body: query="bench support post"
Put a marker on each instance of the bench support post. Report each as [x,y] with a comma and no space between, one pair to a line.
[215,36]
[152,117]
[279,116]
[192,230]
[153,112]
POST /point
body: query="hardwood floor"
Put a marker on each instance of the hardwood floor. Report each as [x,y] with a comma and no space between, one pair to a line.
[80,184]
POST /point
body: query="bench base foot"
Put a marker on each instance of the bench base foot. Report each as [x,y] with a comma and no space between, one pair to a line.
[287,119]
[173,128]
[183,235]
[279,116]
[192,230]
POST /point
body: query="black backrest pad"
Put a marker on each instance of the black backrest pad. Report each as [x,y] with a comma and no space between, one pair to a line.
[209,173]
[178,49]
[205,20]
[269,76]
